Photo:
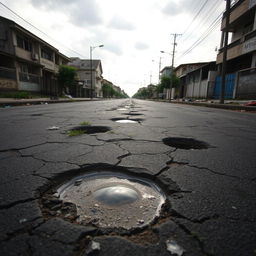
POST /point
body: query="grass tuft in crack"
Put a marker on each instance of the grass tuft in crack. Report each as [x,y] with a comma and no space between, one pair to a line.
[85,123]
[75,132]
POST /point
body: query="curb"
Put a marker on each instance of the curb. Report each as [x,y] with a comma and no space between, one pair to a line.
[216,105]
[41,102]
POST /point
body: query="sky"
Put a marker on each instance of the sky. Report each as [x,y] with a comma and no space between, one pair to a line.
[133,33]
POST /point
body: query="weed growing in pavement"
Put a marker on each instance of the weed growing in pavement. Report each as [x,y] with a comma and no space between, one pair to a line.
[75,132]
[85,123]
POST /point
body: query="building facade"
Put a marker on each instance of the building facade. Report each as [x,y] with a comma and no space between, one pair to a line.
[197,80]
[27,63]
[90,78]
[241,53]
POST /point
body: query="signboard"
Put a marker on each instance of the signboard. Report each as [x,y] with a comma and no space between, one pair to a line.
[252,3]
[249,45]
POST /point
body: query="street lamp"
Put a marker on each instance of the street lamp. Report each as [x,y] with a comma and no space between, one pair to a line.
[171,82]
[160,62]
[91,49]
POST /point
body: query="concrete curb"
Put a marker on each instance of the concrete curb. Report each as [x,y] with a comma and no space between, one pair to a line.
[27,102]
[215,105]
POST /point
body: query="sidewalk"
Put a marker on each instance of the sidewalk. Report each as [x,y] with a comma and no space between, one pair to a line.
[237,105]
[10,102]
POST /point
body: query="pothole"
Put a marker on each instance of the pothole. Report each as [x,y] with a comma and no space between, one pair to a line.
[106,200]
[133,114]
[185,143]
[88,129]
[127,120]
[122,109]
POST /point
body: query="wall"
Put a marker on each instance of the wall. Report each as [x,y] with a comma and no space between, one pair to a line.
[246,85]
[6,84]
[26,86]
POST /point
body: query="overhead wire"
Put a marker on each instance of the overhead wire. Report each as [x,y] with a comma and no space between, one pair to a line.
[206,33]
[203,19]
[14,14]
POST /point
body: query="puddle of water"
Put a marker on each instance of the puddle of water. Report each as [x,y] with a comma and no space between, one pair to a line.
[174,248]
[122,109]
[126,121]
[116,195]
[113,200]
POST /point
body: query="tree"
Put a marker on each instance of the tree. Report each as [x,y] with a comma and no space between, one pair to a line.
[67,76]
[166,82]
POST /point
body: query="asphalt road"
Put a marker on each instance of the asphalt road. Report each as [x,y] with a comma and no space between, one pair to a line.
[204,160]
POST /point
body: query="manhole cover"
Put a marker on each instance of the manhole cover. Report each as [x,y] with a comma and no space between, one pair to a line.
[88,129]
[113,200]
[185,143]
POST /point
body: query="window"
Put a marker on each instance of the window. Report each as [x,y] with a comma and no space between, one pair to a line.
[24,43]
[46,54]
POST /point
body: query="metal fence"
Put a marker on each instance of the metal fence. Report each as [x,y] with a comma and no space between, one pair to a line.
[8,73]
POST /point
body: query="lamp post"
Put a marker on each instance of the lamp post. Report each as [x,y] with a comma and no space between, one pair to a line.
[171,69]
[91,49]
[159,63]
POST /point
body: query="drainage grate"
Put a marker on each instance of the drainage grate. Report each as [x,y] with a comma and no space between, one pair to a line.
[185,143]
[109,200]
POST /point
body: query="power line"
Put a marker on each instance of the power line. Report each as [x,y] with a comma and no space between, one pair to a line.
[202,7]
[206,33]
[204,19]
[16,14]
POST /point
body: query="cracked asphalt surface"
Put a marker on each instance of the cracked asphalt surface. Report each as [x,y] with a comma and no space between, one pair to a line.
[211,192]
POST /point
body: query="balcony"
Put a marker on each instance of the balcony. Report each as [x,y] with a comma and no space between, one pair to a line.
[241,12]
[244,45]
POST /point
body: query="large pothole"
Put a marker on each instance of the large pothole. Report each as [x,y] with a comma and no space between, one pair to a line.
[127,120]
[106,200]
[88,129]
[185,143]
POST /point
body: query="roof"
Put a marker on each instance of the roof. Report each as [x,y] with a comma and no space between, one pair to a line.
[25,31]
[205,65]
[190,64]
[85,64]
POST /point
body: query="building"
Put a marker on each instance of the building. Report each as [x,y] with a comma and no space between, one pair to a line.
[241,53]
[197,80]
[85,73]
[27,63]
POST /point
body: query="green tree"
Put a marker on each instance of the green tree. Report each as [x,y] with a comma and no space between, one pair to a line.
[67,76]
[166,82]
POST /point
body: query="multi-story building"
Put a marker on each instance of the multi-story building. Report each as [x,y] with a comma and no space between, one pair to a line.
[27,62]
[241,53]
[86,74]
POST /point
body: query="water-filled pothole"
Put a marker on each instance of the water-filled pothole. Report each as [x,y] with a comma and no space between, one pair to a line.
[127,120]
[88,129]
[185,143]
[109,200]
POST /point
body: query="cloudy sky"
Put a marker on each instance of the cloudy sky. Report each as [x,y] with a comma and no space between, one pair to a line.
[133,32]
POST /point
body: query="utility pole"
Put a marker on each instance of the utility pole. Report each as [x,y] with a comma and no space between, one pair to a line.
[225,50]
[173,57]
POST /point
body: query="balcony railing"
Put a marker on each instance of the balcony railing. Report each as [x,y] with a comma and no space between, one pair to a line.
[31,78]
[8,73]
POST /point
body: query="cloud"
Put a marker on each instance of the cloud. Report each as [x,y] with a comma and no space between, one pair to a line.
[119,23]
[80,12]
[141,46]
[173,8]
